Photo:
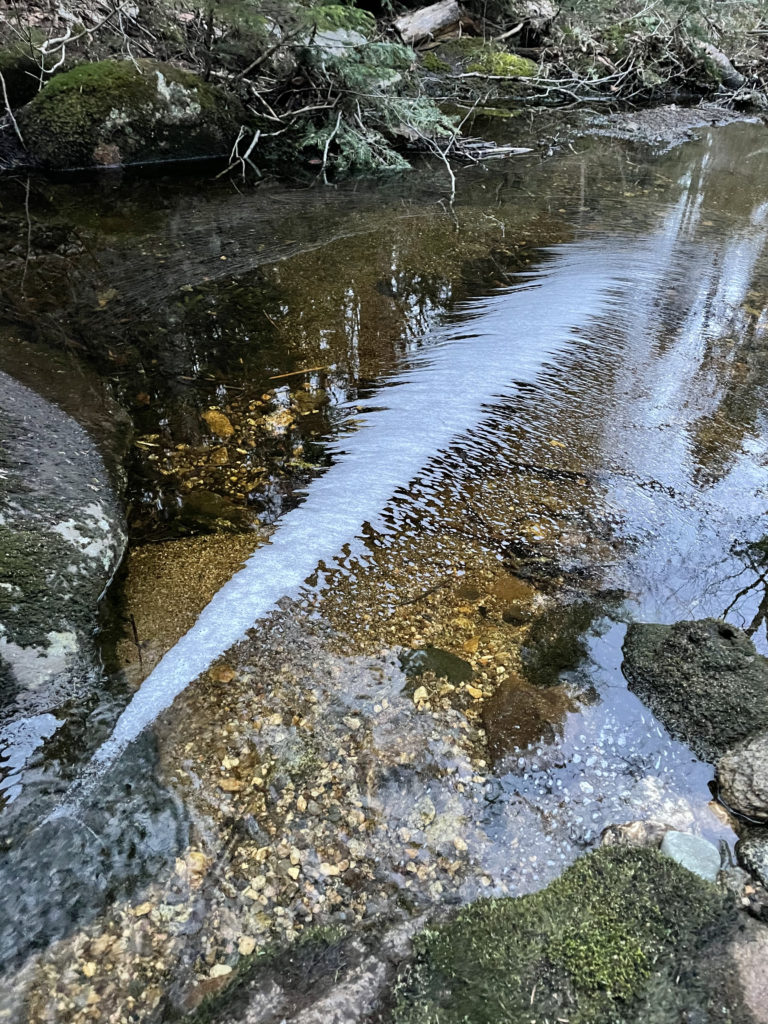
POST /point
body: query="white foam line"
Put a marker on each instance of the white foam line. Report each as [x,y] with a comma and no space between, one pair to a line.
[495,342]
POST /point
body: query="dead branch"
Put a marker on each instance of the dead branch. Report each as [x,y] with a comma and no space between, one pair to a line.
[428,22]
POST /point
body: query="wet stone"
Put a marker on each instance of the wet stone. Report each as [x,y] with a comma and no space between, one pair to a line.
[742,775]
[442,663]
[752,852]
[703,679]
[693,853]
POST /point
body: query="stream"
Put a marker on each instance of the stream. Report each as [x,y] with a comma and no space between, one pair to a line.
[397,474]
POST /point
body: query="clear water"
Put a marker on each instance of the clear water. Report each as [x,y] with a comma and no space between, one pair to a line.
[560,381]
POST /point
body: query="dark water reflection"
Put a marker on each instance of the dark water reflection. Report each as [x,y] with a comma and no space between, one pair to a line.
[614,470]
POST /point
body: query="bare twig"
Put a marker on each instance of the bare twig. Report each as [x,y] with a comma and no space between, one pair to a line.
[14,122]
[328,142]
[509,34]
[235,157]
[29,239]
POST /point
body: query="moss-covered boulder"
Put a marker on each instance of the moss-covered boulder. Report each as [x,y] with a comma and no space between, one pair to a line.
[625,935]
[703,679]
[120,112]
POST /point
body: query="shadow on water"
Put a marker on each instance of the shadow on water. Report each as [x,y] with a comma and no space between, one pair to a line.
[498,431]
[61,873]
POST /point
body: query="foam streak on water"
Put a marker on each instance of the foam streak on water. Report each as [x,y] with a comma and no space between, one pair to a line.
[505,338]
[488,347]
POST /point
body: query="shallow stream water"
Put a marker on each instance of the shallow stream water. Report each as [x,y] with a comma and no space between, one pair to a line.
[495,432]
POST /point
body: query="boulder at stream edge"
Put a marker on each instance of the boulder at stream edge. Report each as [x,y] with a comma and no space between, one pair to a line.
[703,680]
[118,112]
[61,538]
[624,935]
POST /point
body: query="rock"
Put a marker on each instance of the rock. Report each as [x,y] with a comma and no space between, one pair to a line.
[116,112]
[752,852]
[703,679]
[218,423]
[627,933]
[635,833]
[520,714]
[693,853]
[61,539]
[441,663]
[749,953]
[336,42]
[742,775]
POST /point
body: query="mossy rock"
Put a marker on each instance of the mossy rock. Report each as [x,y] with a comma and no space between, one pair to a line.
[503,65]
[703,679]
[464,46]
[431,62]
[116,112]
[625,935]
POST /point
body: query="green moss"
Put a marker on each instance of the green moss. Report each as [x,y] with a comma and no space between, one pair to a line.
[465,46]
[431,62]
[622,936]
[120,112]
[506,65]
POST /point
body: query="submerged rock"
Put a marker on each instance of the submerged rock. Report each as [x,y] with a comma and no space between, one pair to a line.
[635,833]
[742,775]
[61,539]
[703,679]
[125,112]
[434,659]
[693,853]
[625,934]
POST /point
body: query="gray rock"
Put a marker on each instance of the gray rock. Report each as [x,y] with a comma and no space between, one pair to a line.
[114,112]
[742,775]
[752,852]
[693,853]
[749,955]
[61,539]
[704,680]
[335,42]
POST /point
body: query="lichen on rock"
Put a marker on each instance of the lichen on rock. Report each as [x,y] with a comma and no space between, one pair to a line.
[122,112]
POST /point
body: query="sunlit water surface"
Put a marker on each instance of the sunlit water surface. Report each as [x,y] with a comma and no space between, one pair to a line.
[566,389]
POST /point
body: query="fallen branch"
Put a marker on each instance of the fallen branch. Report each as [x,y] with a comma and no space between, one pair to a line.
[428,22]
[16,128]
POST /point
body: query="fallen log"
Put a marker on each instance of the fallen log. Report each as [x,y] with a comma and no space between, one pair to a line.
[428,22]
[730,77]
